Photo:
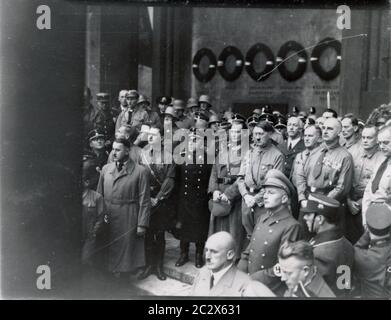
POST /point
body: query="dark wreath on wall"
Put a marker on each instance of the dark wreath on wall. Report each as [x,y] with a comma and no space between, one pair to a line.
[289,50]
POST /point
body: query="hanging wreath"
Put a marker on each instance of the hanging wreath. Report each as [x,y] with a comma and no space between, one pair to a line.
[204,77]
[221,63]
[302,60]
[249,63]
[317,53]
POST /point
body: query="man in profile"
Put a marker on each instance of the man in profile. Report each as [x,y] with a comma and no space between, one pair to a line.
[297,269]
[220,277]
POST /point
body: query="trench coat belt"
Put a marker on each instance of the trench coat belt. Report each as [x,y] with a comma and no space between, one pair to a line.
[123,201]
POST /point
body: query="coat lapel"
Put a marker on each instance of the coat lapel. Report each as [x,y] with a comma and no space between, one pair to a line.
[127,169]
[224,283]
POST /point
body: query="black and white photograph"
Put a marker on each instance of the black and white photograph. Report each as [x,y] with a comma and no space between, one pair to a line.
[195,150]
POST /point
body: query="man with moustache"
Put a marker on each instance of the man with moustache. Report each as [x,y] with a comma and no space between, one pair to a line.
[329,170]
[378,190]
[224,190]
[125,188]
[220,277]
[294,144]
[257,162]
[366,157]
[162,182]
[274,227]
[350,131]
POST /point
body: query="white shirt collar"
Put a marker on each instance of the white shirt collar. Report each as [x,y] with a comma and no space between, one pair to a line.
[219,274]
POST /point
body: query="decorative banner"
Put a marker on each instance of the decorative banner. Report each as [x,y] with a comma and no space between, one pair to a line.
[298,53]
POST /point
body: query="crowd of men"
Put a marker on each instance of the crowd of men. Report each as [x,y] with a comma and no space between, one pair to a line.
[302,210]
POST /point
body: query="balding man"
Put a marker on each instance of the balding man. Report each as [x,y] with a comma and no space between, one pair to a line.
[294,144]
[220,277]
[378,190]
[329,170]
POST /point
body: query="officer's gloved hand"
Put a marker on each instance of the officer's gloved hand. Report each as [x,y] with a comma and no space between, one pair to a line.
[217,195]
[249,200]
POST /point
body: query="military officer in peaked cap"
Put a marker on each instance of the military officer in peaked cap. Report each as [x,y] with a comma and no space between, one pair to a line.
[192,203]
[280,126]
[331,248]
[372,266]
[274,227]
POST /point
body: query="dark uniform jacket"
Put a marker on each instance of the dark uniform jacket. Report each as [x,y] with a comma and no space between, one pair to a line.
[316,288]
[331,250]
[192,201]
[290,154]
[269,234]
[372,267]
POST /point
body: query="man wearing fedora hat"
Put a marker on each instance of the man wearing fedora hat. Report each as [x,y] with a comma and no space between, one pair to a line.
[331,248]
[372,265]
[275,225]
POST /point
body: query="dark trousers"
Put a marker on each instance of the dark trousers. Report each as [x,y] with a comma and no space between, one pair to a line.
[155,246]
[184,245]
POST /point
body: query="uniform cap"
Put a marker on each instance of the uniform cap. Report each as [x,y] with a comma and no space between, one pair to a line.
[171,112]
[257,111]
[214,118]
[321,204]
[268,117]
[275,178]
[143,99]
[219,208]
[204,98]
[192,102]
[281,123]
[94,134]
[378,218]
[132,93]
[236,117]
[103,96]
[178,104]
[163,100]
[253,120]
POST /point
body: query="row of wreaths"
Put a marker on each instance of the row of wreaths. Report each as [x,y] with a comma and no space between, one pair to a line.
[295,50]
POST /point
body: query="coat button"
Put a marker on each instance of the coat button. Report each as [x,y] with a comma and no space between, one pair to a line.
[198,187]
[253,239]
[249,262]
[199,179]
[262,267]
[185,185]
[185,193]
[265,243]
[277,221]
[270,230]
[263,254]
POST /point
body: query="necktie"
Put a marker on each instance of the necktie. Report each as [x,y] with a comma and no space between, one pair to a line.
[129,116]
[119,165]
[378,176]
[290,146]
[212,280]
[319,163]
